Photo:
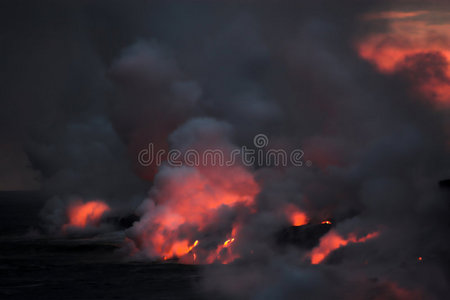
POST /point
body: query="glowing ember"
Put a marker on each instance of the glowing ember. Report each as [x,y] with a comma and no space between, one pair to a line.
[332,241]
[296,216]
[419,258]
[83,214]
[326,222]
[228,242]
[192,247]
[224,253]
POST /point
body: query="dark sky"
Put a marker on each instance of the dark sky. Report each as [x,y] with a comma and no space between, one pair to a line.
[48,51]
[55,59]
[86,85]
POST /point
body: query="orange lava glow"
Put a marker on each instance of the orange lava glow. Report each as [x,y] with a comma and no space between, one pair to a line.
[83,214]
[326,222]
[393,291]
[295,215]
[228,242]
[332,241]
[187,203]
[417,48]
[224,253]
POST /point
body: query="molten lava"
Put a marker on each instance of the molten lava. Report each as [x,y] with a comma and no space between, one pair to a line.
[83,214]
[332,241]
[193,246]
[224,253]
[228,242]
[295,215]
[185,208]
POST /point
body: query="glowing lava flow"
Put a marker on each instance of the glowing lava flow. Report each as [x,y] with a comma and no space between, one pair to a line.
[83,214]
[228,242]
[229,256]
[295,215]
[184,208]
[224,253]
[332,241]
[180,249]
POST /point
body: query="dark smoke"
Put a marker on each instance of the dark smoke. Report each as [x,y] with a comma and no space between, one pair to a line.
[90,84]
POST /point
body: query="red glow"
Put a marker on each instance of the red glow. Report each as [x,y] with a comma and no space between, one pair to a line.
[191,198]
[394,15]
[394,291]
[224,253]
[332,241]
[326,222]
[295,215]
[228,242]
[82,214]
[404,48]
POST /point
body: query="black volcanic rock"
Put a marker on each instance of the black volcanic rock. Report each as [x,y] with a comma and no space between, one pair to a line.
[306,236]
[122,222]
[128,221]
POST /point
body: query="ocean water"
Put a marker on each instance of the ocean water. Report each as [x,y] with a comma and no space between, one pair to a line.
[33,267]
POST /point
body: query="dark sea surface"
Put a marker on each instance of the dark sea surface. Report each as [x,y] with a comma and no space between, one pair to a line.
[36,267]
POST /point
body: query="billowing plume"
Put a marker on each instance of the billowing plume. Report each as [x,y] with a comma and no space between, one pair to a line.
[366,107]
[197,206]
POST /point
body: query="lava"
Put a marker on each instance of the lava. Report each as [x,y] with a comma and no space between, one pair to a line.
[228,242]
[295,215]
[224,253]
[332,241]
[86,214]
[193,246]
[185,208]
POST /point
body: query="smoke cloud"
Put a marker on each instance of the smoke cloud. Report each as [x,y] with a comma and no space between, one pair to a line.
[211,75]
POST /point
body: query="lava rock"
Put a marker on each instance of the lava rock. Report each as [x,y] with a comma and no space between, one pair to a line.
[306,236]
